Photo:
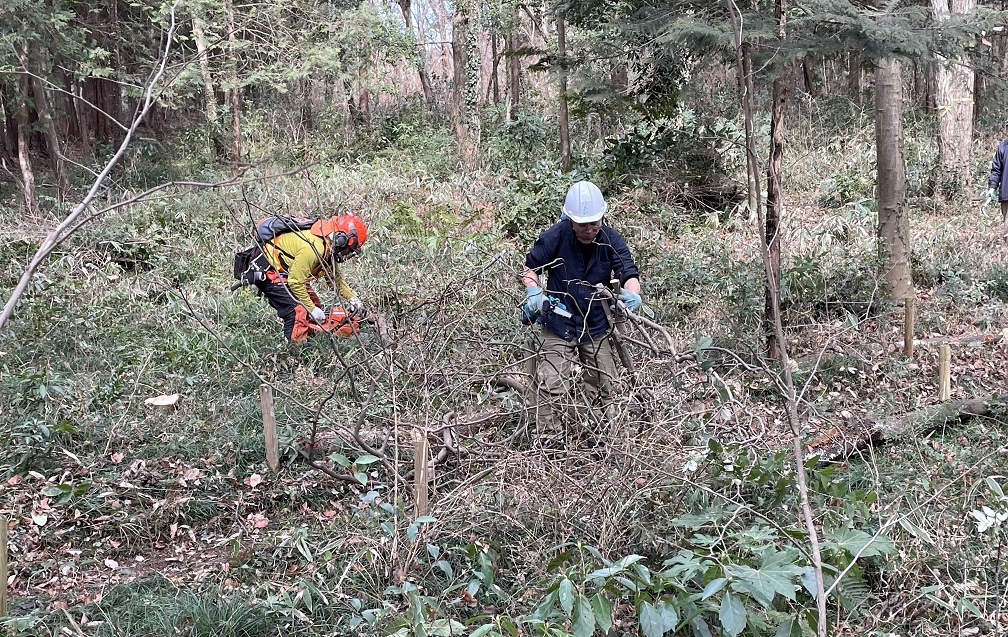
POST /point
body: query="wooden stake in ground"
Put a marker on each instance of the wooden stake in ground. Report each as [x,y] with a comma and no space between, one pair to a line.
[944,374]
[3,566]
[269,427]
[908,326]
[420,471]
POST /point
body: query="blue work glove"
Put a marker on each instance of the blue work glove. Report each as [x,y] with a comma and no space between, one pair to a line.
[534,299]
[991,195]
[631,300]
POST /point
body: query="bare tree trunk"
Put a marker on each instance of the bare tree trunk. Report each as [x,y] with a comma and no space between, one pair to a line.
[807,74]
[788,387]
[774,205]
[235,89]
[7,103]
[494,68]
[31,59]
[894,222]
[744,60]
[363,98]
[954,99]
[421,61]
[466,81]
[514,70]
[978,91]
[24,157]
[209,93]
[854,76]
[565,149]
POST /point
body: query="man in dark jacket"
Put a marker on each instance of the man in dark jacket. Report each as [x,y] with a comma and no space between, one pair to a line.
[575,254]
[998,184]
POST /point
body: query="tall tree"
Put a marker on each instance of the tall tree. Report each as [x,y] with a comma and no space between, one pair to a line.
[893,220]
[954,99]
[421,57]
[565,149]
[466,80]
[514,66]
[775,200]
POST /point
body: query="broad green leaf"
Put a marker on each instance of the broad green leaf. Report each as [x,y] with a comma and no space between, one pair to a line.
[603,611]
[916,531]
[361,477]
[732,615]
[56,489]
[696,521]
[856,542]
[995,488]
[445,568]
[627,560]
[807,578]
[714,587]
[583,624]
[971,607]
[366,459]
[699,627]
[565,593]
[433,550]
[340,459]
[446,628]
[651,622]
[789,628]
[668,615]
[483,630]
[763,584]
[643,573]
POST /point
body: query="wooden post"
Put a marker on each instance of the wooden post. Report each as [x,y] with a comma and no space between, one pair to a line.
[269,427]
[944,374]
[420,471]
[908,326]
[3,566]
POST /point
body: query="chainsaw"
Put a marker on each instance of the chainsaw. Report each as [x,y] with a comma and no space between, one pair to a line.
[340,322]
[551,304]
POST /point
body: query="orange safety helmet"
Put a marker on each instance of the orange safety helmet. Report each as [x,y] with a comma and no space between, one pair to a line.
[345,234]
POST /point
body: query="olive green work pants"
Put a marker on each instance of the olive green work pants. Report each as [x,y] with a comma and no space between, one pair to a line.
[555,376]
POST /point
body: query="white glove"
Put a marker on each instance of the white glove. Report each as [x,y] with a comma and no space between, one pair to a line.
[318,315]
[355,303]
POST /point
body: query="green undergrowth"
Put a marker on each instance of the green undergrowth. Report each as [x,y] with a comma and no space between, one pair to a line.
[687,524]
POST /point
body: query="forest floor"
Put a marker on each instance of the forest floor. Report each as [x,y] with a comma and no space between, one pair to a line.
[137,505]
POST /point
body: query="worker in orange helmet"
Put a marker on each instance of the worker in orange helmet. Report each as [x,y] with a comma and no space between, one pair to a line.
[297,250]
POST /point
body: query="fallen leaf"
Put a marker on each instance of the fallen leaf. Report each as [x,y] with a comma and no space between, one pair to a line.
[109,562]
[258,520]
[117,457]
[40,519]
[15,479]
[165,400]
[254,480]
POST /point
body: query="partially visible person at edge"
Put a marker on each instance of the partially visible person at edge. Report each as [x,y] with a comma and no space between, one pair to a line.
[998,184]
[297,257]
[575,254]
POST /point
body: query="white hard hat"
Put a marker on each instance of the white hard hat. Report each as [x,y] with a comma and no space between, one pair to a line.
[584,203]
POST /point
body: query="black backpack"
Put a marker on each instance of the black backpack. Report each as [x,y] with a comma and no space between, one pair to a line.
[248,268]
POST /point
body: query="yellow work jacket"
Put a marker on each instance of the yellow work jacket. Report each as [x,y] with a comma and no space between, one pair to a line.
[301,256]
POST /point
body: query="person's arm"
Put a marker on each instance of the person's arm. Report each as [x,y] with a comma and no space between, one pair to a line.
[344,289]
[529,278]
[997,168]
[632,284]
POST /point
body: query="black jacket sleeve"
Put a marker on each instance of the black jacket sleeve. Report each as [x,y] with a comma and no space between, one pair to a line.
[997,167]
[622,261]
